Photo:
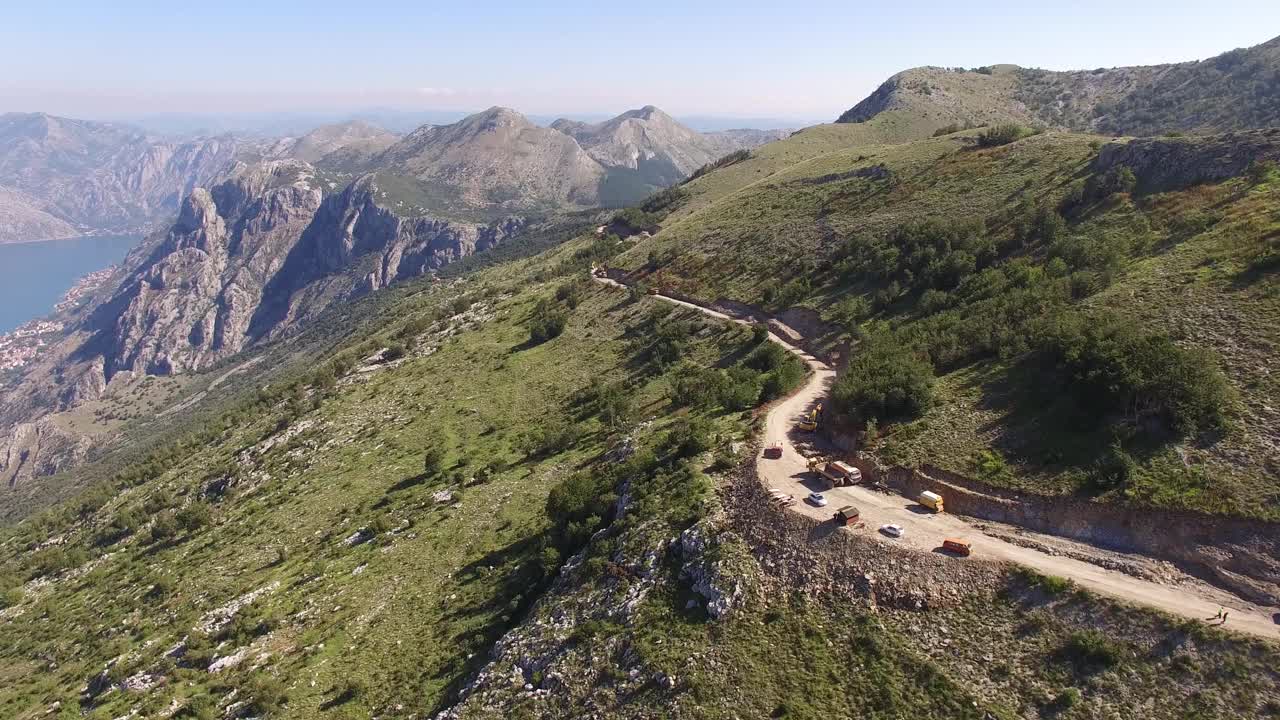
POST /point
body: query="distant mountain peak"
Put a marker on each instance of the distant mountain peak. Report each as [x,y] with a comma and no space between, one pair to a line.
[647,112]
[498,115]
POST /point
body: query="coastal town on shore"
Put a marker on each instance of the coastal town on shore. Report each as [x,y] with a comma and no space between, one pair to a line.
[22,345]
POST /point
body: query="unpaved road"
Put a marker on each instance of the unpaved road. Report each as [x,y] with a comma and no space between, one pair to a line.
[925,530]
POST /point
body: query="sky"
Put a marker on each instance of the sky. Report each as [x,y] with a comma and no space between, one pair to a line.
[803,60]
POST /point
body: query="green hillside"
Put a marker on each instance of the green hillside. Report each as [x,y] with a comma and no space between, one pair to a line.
[1237,90]
[989,264]
[353,539]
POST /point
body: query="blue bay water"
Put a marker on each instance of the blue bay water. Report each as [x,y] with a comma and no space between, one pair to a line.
[34,276]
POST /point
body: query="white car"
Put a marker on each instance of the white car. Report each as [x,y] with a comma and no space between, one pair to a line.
[817,499]
[892,530]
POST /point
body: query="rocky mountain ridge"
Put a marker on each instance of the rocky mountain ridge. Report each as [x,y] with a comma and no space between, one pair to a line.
[653,143]
[338,146]
[499,162]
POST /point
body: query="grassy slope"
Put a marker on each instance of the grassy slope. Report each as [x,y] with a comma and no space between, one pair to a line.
[404,617]
[402,620]
[1186,275]
[1233,91]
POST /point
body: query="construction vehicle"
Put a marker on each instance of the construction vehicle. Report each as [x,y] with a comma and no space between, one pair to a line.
[810,421]
[836,472]
[931,500]
[846,515]
[959,547]
[773,452]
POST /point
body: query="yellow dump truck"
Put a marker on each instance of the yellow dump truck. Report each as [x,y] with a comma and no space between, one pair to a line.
[931,500]
[837,473]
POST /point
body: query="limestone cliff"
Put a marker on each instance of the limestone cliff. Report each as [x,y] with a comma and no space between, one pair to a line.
[256,254]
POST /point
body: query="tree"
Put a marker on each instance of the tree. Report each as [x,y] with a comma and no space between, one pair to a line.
[433,458]
[613,405]
[546,321]
[1117,367]
[886,380]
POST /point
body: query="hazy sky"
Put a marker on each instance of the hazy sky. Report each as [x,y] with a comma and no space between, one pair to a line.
[799,59]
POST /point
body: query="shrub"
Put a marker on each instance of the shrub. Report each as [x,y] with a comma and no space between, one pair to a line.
[990,466]
[782,379]
[54,560]
[1116,468]
[165,527]
[766,357]
[353,689]
[1119,179]
[693,386]
[741,389]
[1091,651]
[689,437]
[570,293]
[1261,171]
[394,352]
[667,342]
[266,695]
[1002,135]
[759,333]
[613,404]
[663,202]
[1067,699]
[199,707]
[194,516]
[555,436]
[161,588]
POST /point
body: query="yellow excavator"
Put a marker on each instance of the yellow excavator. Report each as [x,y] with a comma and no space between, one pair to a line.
[810,421]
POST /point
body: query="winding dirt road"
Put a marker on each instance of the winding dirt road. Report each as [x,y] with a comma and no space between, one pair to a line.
[925,530]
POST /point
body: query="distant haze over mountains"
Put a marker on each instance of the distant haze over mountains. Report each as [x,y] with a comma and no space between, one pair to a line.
[61,177]
[275,124]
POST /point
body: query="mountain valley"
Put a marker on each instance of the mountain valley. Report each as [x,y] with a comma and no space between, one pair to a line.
[500,420]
